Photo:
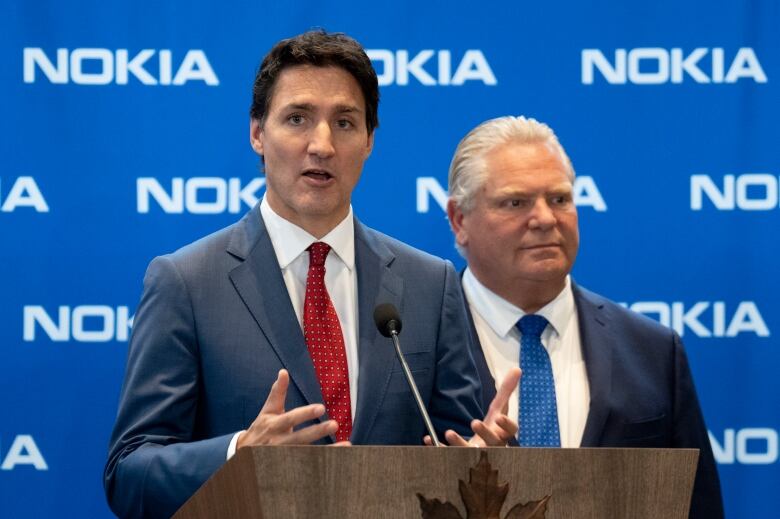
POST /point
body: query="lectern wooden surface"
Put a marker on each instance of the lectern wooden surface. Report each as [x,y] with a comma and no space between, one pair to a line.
[383,482]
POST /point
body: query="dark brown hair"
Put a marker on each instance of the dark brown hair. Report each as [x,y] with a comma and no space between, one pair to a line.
[320,49]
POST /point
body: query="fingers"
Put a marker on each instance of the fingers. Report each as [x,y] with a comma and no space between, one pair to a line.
[294,417]
[487,436]
[497,434]
[500,404]
[276,397]
[429,442]
[454,439]
[508,426]
[309,434]
[274,426]
[271,429]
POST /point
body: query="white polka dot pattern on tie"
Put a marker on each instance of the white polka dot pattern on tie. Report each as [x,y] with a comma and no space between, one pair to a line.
[325,342]
[538,409]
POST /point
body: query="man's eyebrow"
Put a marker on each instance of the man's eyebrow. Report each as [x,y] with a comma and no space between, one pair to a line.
[560,189]
[503,193]
[308,107]
[348,109]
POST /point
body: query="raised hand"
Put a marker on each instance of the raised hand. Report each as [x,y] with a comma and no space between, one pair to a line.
[497,428]
[274,425]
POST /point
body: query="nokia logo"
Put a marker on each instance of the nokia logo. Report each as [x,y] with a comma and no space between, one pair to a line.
[86,323]
[586,194]
[23,451]
[396,67]
[748,192]
[705,318]
[750,446]
[198,195]
[24,192]
[656,65]
[90,66]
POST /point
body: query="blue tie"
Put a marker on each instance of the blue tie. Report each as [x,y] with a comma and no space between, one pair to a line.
[538,410]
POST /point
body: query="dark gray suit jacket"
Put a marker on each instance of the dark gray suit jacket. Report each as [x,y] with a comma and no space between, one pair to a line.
[215,325]
[641,390]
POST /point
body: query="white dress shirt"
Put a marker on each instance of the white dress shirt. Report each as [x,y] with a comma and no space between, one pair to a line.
[495,320]
[290,243]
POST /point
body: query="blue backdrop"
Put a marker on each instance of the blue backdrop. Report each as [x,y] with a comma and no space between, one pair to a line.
[124,135]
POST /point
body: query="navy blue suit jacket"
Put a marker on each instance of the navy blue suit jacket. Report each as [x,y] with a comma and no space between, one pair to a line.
[641,390]
[215,325]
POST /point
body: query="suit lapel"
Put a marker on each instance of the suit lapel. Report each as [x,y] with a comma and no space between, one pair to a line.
[487,382]
[597,343]
[260,284]
[376,284]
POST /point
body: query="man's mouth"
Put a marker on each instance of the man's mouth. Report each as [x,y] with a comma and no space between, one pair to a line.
[320,175]
[541,246]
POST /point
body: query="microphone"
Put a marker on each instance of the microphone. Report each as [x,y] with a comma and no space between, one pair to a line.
[387,319]
[388,322]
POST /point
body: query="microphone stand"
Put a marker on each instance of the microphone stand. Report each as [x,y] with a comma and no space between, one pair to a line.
[413,386]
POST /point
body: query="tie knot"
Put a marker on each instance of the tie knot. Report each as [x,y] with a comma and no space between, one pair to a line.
[532,325]
[318,251]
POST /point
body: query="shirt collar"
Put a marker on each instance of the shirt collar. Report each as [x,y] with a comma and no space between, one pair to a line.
[502,316]
[290,241]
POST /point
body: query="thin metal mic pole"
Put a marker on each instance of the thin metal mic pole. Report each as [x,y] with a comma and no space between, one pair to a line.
[415,392]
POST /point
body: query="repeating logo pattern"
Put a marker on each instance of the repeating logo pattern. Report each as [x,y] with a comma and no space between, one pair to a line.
[124,137]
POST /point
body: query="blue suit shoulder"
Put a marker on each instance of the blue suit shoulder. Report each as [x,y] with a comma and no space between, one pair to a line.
[656,405]
[596,306]
[400,251]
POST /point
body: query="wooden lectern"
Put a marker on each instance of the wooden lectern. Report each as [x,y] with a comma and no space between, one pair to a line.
[428,482]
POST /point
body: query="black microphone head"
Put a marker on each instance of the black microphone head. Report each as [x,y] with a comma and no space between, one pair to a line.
[387,319]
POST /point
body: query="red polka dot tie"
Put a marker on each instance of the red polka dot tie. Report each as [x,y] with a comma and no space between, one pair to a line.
[325,341]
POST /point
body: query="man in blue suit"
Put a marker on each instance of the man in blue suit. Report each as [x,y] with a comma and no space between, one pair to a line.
[262,333]
[594,373]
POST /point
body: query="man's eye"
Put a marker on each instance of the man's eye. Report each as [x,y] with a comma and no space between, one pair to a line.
[344,124]
[561,200]
[513,202]
[295,119]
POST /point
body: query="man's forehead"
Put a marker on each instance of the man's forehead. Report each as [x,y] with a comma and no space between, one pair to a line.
[311,87]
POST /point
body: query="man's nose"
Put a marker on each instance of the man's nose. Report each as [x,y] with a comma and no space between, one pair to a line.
[542,215]
[321,141]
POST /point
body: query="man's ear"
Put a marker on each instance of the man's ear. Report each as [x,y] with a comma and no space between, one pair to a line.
[370,143]
[256,135]
[456,216]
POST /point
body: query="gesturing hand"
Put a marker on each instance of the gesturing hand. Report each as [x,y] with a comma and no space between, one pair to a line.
[497,428]
[274,425]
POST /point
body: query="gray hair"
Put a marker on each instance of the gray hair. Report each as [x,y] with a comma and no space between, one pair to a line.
[468,170]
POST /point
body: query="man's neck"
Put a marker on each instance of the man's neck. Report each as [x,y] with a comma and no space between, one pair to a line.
[528,295]
[318,225]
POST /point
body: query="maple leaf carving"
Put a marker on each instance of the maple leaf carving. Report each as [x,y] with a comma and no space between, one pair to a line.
[529,510]
[435,509]
[483,497]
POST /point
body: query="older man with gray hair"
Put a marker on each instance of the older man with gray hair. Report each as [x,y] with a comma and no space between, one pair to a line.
[594,373]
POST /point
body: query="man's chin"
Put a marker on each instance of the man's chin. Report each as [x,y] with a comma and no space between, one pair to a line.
[547,273]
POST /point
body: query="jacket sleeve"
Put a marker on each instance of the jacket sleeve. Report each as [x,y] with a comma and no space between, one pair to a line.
[691,432]
[456,399]
[155,460]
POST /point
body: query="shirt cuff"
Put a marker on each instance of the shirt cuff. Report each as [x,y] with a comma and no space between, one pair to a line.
[232,446]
